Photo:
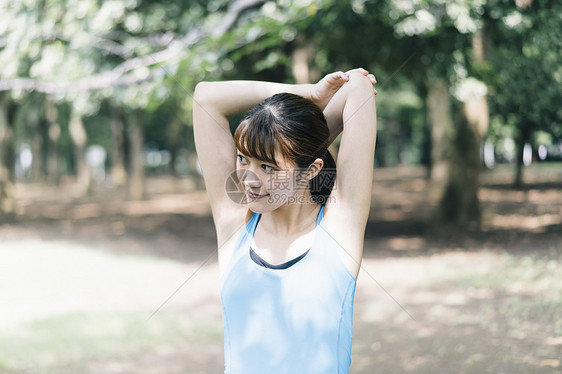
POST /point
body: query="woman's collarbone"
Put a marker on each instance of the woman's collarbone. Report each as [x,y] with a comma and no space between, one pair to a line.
[280,251]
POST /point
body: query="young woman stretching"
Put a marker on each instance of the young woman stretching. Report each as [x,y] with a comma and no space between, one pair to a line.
[290,250]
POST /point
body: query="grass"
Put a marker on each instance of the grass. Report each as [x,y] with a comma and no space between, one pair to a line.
[528,274]
[71,341]
[530,287]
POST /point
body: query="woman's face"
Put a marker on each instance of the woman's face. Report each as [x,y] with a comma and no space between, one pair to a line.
[268,186]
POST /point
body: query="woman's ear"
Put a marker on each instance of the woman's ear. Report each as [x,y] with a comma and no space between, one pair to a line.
[314,168]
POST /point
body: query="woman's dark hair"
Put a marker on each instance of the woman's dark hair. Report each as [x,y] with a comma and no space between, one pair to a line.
[297,129]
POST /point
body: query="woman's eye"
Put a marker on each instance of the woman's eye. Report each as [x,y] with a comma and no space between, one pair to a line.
[269,169]
[266,168]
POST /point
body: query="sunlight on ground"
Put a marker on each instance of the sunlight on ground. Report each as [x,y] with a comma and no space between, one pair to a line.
[65,303]
[455,304]
[535,224]
[196,205]
[62,202]
[40,279]
[81,308]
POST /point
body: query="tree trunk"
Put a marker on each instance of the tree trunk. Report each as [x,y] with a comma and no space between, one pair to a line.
[36,170]
[33,117]
[455,166]
[442,132]
[460,203]
[79,138]
[522,139]
[118,171]
[7,158]
[302,57]
[53,136]
[175,131]
[304,71]
[136,140]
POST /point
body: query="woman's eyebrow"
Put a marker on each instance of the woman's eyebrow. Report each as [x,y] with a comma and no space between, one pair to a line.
[243,154]
[262,161]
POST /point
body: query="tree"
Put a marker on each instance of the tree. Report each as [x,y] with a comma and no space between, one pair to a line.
[527,89]
[84,55]
[427,43]
[7,198]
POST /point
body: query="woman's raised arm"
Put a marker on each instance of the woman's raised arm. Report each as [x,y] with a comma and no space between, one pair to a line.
[353,111]
[213,103]
[230,97]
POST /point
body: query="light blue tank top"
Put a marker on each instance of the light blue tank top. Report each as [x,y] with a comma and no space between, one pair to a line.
[287,321]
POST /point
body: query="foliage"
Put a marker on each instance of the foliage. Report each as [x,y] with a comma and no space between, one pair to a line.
[148,55]
[526,88]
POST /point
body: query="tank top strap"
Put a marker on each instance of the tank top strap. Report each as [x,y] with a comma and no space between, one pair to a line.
[320,215]
[252,223]
[250,228]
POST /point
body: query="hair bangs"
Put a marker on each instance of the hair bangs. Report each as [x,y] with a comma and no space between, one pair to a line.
[256,137]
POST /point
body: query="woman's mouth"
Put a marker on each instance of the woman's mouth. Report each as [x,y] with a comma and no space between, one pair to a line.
[254,196]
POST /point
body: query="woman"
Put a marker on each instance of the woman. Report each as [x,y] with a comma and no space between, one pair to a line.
[290,252]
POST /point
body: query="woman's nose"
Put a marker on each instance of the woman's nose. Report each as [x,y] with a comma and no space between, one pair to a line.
[250,179]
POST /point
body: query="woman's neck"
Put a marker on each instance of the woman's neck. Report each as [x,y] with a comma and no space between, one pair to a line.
[291,219]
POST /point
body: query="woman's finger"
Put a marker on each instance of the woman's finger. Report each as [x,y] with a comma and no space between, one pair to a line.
[340,75]
[364,72]
[359,70]
[337,77]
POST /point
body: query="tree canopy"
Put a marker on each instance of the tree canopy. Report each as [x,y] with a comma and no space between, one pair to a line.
[73,70]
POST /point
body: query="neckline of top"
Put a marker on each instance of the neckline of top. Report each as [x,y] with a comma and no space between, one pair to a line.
[302,260]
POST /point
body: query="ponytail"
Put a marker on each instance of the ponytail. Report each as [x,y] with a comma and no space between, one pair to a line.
[321,186]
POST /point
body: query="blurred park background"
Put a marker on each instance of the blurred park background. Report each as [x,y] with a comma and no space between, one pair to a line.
[107,246]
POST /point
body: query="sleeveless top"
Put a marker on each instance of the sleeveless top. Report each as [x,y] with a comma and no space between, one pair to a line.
[286,321]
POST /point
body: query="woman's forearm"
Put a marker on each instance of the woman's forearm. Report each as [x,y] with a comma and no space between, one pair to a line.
[218,100]
[230,97]
[346,101]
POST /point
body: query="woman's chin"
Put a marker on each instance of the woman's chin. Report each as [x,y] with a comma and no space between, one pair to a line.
[264,205]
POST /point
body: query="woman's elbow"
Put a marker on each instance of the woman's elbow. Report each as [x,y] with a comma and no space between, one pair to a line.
[202,92]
